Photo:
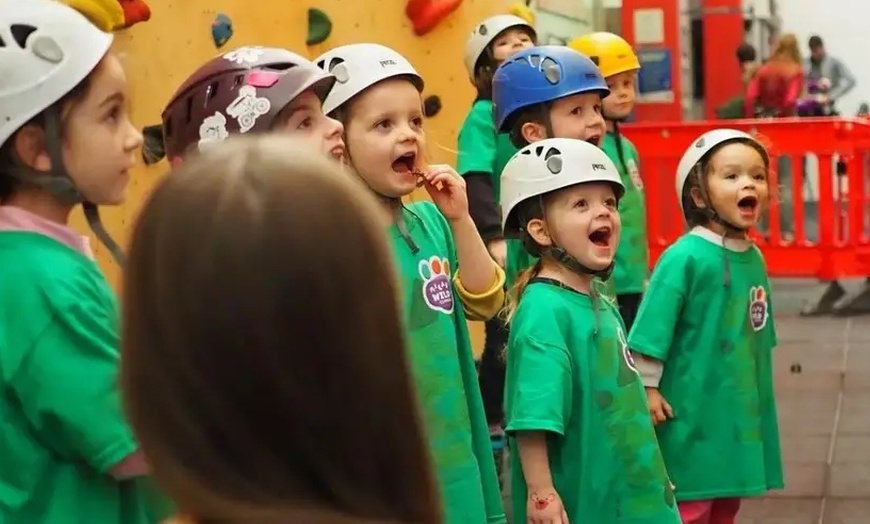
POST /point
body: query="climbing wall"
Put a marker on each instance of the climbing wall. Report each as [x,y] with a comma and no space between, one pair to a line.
[160,53]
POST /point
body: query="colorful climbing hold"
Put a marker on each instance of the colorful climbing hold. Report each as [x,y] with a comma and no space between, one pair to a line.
[319,27]
[522,10]
[221,30]
[112,15]
[425,15]
[431,106]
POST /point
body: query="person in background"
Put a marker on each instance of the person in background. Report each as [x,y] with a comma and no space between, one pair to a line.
[67,453]
[204,376]
[620,66]
[747,59]
[777,85]
[483,152]
[821,65]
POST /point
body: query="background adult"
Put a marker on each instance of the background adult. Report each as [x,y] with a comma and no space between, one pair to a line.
[820,65]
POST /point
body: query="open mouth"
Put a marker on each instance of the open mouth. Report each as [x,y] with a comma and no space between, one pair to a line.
[601,236]
[406,163]
[594,140]
[747,204]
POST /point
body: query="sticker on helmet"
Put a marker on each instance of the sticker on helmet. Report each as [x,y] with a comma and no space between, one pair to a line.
[212,130]
[245,55]
[248,107]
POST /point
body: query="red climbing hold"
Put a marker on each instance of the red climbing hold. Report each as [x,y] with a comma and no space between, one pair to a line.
[425,15]
[135,11]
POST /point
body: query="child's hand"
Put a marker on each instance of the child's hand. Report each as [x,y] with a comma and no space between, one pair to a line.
[545,507]
[659,409]
[447,190]
[498,249]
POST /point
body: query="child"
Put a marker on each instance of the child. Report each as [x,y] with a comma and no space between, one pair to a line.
[482,154]
[446,272]
[66,450]
[575,405]
[706,322]
[242,404]
[546,92]
[251,90]
[619,65]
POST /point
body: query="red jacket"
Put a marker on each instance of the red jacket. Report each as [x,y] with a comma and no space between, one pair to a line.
[776,87]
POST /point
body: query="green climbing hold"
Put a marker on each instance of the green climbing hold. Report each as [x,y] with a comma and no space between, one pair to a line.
[319,27]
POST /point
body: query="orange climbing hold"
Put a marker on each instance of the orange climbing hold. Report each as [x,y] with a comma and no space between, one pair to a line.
[426,14]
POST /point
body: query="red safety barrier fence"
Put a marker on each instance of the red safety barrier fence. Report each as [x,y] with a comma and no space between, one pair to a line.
[818,224]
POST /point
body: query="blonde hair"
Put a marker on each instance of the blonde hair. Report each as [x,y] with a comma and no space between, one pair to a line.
[515,293]
[787,50]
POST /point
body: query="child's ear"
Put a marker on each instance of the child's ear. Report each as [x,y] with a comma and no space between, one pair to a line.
[537,229]
[533,132]
[30,150]
[697,198]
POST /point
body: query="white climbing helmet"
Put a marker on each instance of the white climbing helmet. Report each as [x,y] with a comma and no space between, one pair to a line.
[357,67]
[46,49]
[486,32]
[548,165]
[703,145]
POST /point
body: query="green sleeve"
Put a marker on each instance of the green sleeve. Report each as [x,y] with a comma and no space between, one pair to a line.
[432,218]
[477,142]
[68,387]
[662,304]
[481,443]
[540,392]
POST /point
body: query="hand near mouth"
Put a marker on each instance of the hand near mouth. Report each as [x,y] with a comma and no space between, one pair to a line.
[447,190]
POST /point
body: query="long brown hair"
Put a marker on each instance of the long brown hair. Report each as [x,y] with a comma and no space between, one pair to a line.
[786,55]
[264,366]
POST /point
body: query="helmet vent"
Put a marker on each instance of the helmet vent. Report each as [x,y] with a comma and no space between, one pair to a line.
[482,30]
[211,92]
[20,32]
[552,71]
[2,43]
[553,158]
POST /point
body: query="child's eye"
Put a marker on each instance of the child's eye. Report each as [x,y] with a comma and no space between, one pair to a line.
[417,123]
[577,110]
[581,203]
[761,177]
[731,176]
[383,124]
[114,113]
[611,203]
[597,109]
[304,124]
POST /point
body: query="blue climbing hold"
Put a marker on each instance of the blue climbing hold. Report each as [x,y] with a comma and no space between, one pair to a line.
[221,30]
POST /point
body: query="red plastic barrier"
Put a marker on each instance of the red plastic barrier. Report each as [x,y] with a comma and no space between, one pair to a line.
[817,226]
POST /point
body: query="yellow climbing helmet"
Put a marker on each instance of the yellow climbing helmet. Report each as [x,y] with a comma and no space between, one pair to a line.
[611,52]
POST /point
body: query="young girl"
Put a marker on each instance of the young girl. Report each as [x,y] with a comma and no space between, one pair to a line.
[619,65]
[546,92]
[575,405]
[251,90]
[446,272]
[482,154]
[706,321]
[65,138]
[237,402]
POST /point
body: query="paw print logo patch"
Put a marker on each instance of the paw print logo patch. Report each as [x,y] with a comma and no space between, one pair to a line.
[758,310]
[437,290]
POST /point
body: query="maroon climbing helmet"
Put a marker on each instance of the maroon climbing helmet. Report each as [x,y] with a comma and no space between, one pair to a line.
[241,91]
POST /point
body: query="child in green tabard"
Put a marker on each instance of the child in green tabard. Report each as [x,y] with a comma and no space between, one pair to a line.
[446,272]
[705,331]
[547,92]
[619,65]
[482,154]
[575,405]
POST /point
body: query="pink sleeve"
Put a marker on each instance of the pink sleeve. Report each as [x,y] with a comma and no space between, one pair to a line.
[751,96]
[795,87]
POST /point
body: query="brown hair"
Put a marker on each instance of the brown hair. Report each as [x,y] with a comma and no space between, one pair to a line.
[786,55]
[264,362]
[484,69]
[8,157]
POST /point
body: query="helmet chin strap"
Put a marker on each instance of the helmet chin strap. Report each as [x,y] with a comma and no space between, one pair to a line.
[60,184]
[563,257]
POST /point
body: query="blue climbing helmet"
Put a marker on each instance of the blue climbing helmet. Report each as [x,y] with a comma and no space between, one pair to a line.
[539,75]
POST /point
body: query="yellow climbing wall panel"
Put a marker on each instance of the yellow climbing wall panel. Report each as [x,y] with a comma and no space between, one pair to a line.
[159,54]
